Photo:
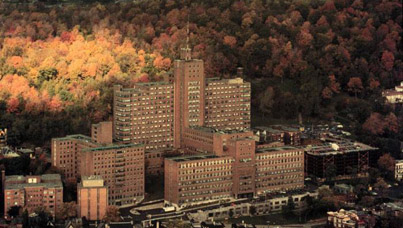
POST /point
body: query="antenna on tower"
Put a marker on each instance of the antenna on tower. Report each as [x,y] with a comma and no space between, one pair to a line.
[187,33]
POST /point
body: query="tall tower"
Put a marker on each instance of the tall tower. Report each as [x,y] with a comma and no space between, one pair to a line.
[189,83]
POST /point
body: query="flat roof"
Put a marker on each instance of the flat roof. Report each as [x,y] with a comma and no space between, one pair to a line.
[57,182]
[276,149]
[338,148]
[218,131]
[76,136]
[113,146]
[92,177]
[193,157]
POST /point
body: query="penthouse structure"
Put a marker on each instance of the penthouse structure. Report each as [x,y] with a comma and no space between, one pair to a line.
[339,161]
[120,165]
[159,114]
[92,198]
[32,192]
[279,133]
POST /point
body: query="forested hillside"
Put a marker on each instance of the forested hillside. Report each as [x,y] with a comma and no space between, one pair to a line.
[323,59]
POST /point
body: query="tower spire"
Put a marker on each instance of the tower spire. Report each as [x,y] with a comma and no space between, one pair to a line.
[186,52]
[187,33]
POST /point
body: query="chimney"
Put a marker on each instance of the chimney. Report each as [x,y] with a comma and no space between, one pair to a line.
[239,72]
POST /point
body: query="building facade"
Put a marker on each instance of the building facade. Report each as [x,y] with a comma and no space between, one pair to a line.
[399,170]
[122,168]
[144,114]
[158,114]
[92,198]
[279,169]
[243,172]
[197,178]
[343,160]
[3,137]
[33,192]
[120,165]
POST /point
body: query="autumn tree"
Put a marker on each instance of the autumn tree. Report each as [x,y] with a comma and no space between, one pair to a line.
[355,85]
[112,214]
[266,100]
[387,163]
[388,60]
[67,210]
[374,124]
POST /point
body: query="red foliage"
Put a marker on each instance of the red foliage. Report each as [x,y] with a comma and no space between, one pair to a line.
[391,123]
[12,104]
[388,60]
[374,124]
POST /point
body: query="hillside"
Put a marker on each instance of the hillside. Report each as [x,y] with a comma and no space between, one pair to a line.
[322,59]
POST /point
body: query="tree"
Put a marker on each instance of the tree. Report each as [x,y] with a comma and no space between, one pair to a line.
[380,184]
[388,60]
[391,123]
[355,85]
[14,211]
[112,214]
[288,210]
[387,164]
[375,124]
[367,201]
[266,100]
[68,210]
[252,210]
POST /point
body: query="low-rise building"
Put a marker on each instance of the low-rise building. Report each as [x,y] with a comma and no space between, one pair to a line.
[399,170]
[120,165]
[343,160]
[32,192]
[92,198]
[394,96]
[197,178]
[279,169]
[3,137]
[349,219]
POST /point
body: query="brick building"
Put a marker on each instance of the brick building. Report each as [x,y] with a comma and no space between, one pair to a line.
[197,178]
[279,169]
[158,114]
[32,192]
[122,168]
[92,198]
[210,140]
[144,114]
[120,165]
[251,172]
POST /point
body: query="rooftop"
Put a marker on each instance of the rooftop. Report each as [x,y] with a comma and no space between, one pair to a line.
[112,147]
[193,157]
[77,137]
[333,148]
[217,131]
[55,179]
[275,149]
